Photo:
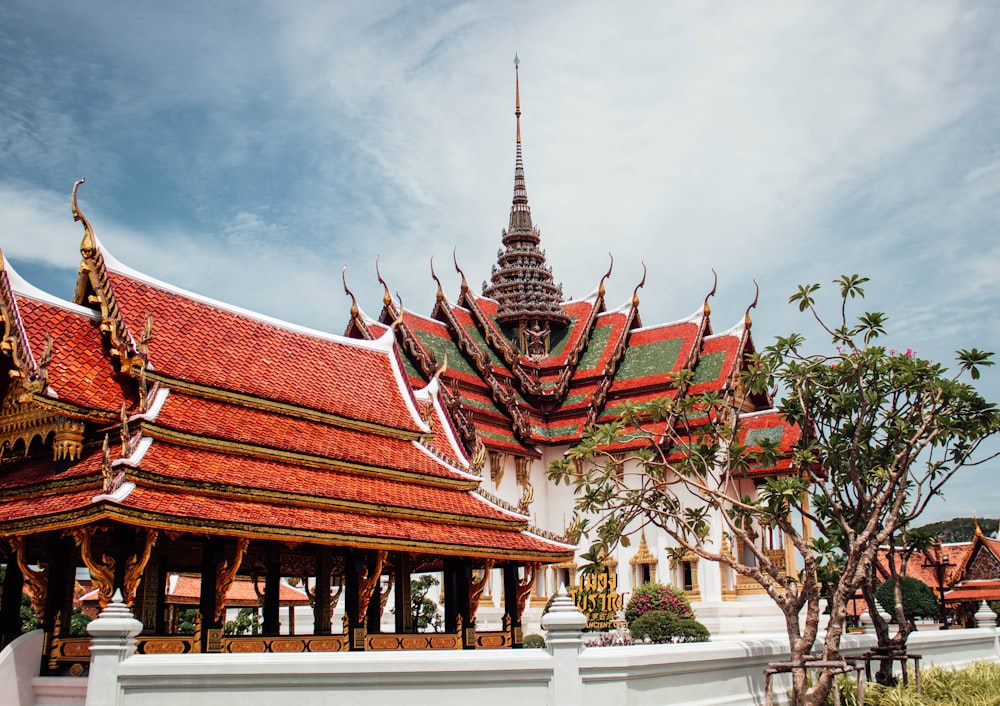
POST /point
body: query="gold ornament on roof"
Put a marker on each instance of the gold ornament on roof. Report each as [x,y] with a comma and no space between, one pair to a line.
[642,283]
[600,287]
[88,244]
[706,309]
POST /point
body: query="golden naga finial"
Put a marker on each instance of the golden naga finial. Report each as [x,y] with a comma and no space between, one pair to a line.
[454,258]
[747,321]
[386,297]
[442,368]
[635,292]
[600,287]
[106,473]
[88,244]
[124,432]
[355,310]
[715,283]
[399,317]
[440,291]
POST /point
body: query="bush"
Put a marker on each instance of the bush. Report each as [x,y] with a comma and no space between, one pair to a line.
[919,600]
[533,641]
[660,627]
[655,596]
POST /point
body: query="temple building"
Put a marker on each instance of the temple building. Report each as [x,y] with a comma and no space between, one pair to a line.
[173,445]
[149,432]
[524,374]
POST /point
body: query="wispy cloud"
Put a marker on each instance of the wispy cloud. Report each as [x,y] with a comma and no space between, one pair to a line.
[250,151]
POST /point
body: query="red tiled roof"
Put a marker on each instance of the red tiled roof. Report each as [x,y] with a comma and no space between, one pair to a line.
[254,475]
[80,372]
[290,521]
[245,425]
[973,591]
[186,589]
[206,343]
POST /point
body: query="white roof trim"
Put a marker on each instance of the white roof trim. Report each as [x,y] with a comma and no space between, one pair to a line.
[25,289]
[119,267]
[135,458]
[696,317]
[117,497]
[430,454]
[539,537]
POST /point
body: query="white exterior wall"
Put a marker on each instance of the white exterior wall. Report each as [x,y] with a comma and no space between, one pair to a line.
[552,509]
[639,676]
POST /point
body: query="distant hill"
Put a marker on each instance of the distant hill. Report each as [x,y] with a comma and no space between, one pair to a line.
[961,529]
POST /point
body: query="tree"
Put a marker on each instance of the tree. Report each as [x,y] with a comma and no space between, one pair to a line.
[425,611]
[881,432]
[919,600]
[247,622]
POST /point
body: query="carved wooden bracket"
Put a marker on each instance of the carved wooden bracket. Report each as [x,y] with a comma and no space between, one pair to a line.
[525,585]
[224,575]
[367,585]
[37,580]
[102,570]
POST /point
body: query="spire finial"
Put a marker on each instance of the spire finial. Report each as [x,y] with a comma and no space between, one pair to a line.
[517,97]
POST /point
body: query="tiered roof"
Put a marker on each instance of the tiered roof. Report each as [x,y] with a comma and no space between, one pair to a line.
[514,397]
[226,421]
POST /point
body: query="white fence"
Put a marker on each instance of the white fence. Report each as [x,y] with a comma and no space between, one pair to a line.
[564,674]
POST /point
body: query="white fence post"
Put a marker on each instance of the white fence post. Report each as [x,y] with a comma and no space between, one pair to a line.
[113,639]
[564,626]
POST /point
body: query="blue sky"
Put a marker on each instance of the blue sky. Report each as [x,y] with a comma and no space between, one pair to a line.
[250,150]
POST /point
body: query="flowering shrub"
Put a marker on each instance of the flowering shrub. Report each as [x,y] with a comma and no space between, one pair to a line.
[656,596]
[615,638]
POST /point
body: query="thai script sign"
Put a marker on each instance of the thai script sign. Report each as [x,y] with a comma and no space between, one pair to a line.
[598,599]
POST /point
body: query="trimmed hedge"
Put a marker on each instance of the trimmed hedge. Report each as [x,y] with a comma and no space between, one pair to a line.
[660,627]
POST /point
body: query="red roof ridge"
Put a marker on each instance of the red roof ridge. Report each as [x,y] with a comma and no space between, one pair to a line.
[382,343]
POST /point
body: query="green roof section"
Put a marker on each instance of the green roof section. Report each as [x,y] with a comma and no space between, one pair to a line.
[562,338]
[769,434]
[481,343]
[479,404]
[576,399]
[595,347]
[510,439]
[709,367]
[440,347]
[649,359]
[565,430]
[410,368]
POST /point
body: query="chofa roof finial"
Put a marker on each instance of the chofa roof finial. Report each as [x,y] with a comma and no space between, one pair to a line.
[747,321]
[87,245]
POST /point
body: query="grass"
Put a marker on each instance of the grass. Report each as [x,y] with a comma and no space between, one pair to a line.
[975,685]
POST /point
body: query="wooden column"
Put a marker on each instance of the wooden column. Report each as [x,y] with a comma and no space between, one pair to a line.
[272,586]
[354,566]
[512,611]
[150,597]
[321,593]
[459,610]
[10,603]
[211,627]
[404,595]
